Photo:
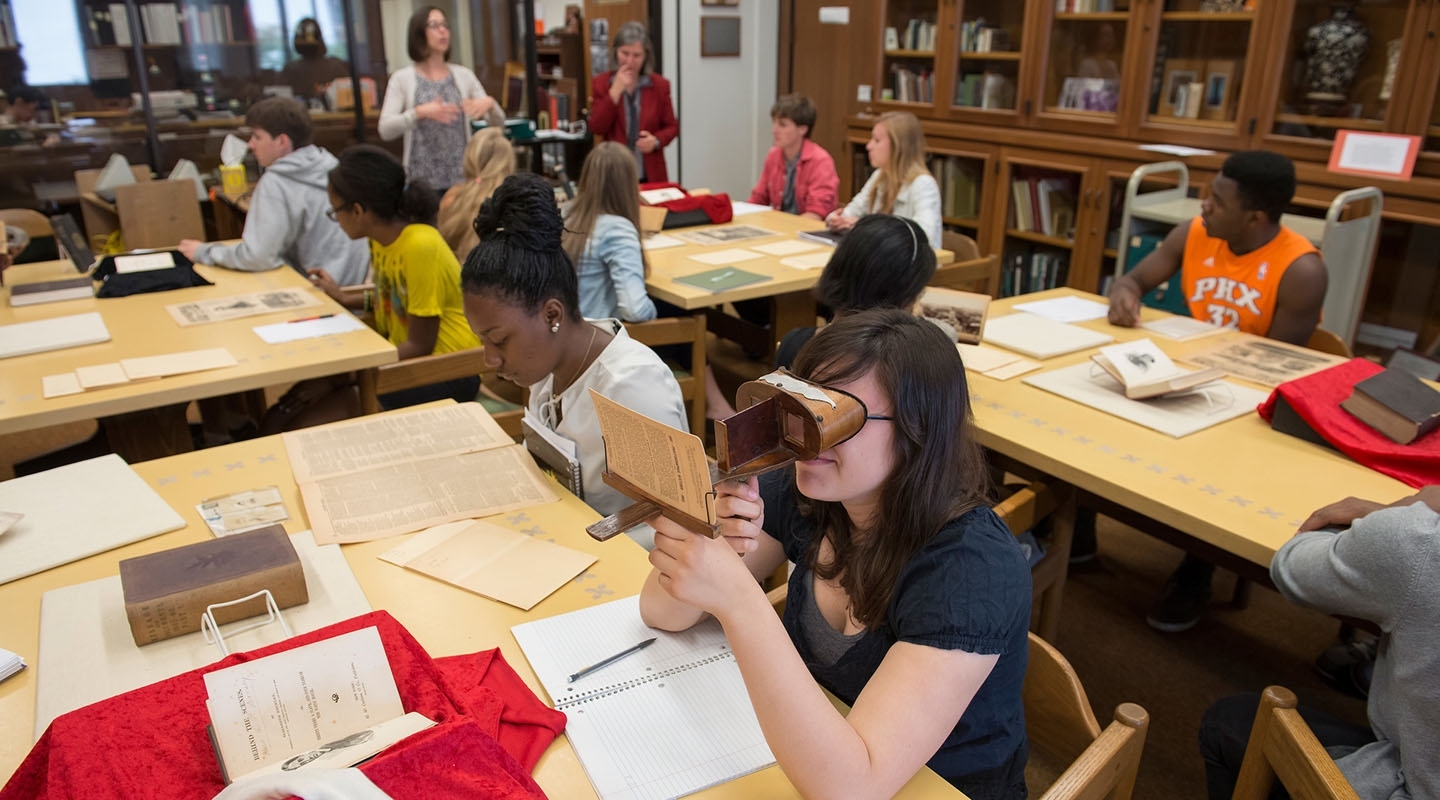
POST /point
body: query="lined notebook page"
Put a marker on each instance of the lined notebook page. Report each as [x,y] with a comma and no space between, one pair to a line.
[662,723]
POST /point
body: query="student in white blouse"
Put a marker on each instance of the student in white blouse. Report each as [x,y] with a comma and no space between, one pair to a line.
[900,184]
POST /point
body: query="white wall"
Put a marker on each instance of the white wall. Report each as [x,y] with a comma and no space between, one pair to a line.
[723,103]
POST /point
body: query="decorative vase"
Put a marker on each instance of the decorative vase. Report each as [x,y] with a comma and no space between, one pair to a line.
[1334,49]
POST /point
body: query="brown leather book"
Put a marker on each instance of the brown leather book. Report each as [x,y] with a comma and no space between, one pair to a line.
[1395,403]
[167,592]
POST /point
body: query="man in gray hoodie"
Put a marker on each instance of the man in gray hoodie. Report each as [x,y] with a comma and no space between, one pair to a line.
[288,222]
[1379,563]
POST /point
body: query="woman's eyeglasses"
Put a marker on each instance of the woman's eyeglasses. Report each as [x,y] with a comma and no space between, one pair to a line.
[438,26]
[331,213]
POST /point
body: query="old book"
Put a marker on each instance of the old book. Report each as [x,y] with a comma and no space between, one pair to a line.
[1144,371]
[1397,404]
[167,592]
[29,294]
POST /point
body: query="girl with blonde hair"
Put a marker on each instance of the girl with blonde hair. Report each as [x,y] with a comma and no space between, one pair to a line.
[489,160]
[900,184]
[602,238]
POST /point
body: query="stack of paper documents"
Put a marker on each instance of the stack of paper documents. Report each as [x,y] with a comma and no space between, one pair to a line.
[9,663]
[56,333]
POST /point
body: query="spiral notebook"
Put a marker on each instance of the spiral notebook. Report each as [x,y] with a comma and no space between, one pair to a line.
[664,722]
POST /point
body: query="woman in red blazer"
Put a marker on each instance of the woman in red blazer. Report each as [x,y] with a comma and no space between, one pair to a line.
[631,103]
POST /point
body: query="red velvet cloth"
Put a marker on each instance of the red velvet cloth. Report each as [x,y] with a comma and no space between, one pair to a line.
[1316,398]
[151,742]
[716,207]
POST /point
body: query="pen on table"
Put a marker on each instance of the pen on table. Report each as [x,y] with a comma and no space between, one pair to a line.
[307,319]
[612,659]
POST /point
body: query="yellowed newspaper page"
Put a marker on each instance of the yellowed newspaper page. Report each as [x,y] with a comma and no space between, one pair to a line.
[390,439]
[395,498]
[664,461]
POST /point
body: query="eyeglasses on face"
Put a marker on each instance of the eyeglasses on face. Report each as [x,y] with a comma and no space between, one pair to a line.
[332,213]
[438,25]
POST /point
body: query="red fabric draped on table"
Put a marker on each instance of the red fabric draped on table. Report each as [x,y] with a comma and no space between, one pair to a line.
[1316,398]
[151,742]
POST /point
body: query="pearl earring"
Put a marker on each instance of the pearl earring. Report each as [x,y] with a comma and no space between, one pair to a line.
[555,327]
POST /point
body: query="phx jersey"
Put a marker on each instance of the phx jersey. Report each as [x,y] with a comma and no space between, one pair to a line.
[1237,291]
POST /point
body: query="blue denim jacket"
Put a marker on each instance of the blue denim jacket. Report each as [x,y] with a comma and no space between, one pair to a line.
[612,273]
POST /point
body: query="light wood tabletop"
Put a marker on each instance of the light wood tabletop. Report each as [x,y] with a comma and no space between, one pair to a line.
[1238,486]
[446,620]
[140,326]
[788,286]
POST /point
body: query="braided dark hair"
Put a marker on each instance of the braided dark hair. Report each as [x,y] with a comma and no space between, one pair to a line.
[373,178]
[520,258]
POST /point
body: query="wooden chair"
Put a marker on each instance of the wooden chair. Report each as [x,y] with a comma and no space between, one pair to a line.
[1062,728]
[99,216]
[27,219]
[970,271]
[1327,342]
[681,330]
[1020,512]
[425,370]
[1282,746]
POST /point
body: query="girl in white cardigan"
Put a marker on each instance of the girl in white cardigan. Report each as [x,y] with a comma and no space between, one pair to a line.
[900,184]
[431,104]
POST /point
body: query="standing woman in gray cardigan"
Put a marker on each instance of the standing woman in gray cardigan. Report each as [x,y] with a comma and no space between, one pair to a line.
[432,102]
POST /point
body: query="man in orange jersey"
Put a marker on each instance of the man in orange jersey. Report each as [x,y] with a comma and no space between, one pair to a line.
[1239,268]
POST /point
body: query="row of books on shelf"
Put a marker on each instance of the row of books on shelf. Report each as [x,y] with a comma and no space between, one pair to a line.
[1044,205]
[166,23]
[978,37]
[907,86]
[985,90]
[919,34]
[959,181]
[1084,6]
[8,38]
[1033,270]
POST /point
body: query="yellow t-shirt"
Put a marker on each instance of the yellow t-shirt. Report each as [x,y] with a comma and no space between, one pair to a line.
[418,274]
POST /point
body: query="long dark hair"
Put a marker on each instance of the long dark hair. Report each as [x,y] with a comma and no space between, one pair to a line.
[519,258]
[939,470]
[884,261]
[374,179]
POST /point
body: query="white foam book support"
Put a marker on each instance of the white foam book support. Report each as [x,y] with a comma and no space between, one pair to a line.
[75,511]
[56,333]
[1038,337]
[87,653]
[667,721]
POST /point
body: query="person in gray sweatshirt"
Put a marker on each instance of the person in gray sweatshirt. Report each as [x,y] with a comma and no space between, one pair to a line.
[1379,563]
[287,222]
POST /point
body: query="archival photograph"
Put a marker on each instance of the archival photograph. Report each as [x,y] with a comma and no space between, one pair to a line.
[962,312]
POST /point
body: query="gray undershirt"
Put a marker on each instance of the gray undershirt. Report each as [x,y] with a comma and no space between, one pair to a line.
[825,643]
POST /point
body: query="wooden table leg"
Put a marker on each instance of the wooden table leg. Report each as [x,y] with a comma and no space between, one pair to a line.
[366,380]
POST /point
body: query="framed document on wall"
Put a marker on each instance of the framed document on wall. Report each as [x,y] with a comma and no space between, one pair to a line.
[719,36]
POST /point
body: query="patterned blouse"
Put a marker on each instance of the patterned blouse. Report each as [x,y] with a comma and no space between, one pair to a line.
[437,152]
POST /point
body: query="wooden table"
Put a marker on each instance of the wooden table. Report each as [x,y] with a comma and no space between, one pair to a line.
[446,620]
[1234,492]
[787,287]
[140,326]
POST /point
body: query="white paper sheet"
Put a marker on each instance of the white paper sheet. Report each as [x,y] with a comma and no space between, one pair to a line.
[162,366]
[789,248]
[1181,329]
[808,260]
[660,241]
[282,332]
[1177,150]
[740,208]
[1174,415]
[60,385]
[98,375]
[78,510]
[722,258]
[983,359]
[144,263]
[87,653]
[1065,309]
[56,333]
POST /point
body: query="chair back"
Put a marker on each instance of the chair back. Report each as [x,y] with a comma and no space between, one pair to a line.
[1283,747]
[970,271]
[1327,342]
[27,219]
[1020,512]
[690,331]
[1060,724]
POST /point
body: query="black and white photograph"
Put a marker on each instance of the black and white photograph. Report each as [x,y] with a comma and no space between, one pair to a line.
[962,312]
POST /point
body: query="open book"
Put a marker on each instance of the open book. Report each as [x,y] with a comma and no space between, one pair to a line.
[666,721]
[1144,370]
[332,703]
